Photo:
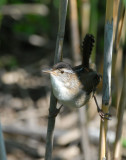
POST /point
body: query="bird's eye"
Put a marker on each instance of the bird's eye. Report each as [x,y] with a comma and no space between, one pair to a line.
[62,72]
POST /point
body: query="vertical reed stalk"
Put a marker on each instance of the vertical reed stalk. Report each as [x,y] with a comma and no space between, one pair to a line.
[75,38]
[116,64]
[115,15]
[122,104]
[93,25]
[57,58]
[76,55]
[2,146]
[85,24]
[122,100]
[85,16]
[108,45]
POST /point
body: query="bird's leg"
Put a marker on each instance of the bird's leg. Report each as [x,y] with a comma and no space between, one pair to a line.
[55,113]
[100,111]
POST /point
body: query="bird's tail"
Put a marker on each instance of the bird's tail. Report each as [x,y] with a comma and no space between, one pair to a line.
[87,47]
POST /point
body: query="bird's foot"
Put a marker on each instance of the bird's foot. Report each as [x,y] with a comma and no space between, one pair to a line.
[103,115]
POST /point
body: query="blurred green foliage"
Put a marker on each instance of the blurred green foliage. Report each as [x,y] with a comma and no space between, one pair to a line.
[32,24]
[56,3]
[8,62]
[124,1]
[32,1]
[17,28]
[46,26]
[2,2]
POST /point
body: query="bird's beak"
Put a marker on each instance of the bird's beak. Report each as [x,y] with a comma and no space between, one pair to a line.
[50,71]
[47,70]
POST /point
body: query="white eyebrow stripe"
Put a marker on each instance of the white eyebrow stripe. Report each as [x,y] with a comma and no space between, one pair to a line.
[68,70]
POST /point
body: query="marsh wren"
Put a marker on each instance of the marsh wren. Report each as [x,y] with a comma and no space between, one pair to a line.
[74,86]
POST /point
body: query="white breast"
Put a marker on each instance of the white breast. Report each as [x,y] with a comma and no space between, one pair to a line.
[59,90]
[67,98]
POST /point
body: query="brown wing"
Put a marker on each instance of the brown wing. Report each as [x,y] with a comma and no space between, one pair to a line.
[89,80]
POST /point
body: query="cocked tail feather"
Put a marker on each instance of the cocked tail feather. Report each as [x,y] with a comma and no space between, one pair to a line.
[87,47]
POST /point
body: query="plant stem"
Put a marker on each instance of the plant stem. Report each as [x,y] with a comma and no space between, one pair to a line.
[2,146]
[57,58]
[85,17]
[75,39]
[94,25]
[116,67]
[108,45]
[122,104]
[61,30]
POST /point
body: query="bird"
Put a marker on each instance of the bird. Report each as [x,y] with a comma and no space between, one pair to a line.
[74,86]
